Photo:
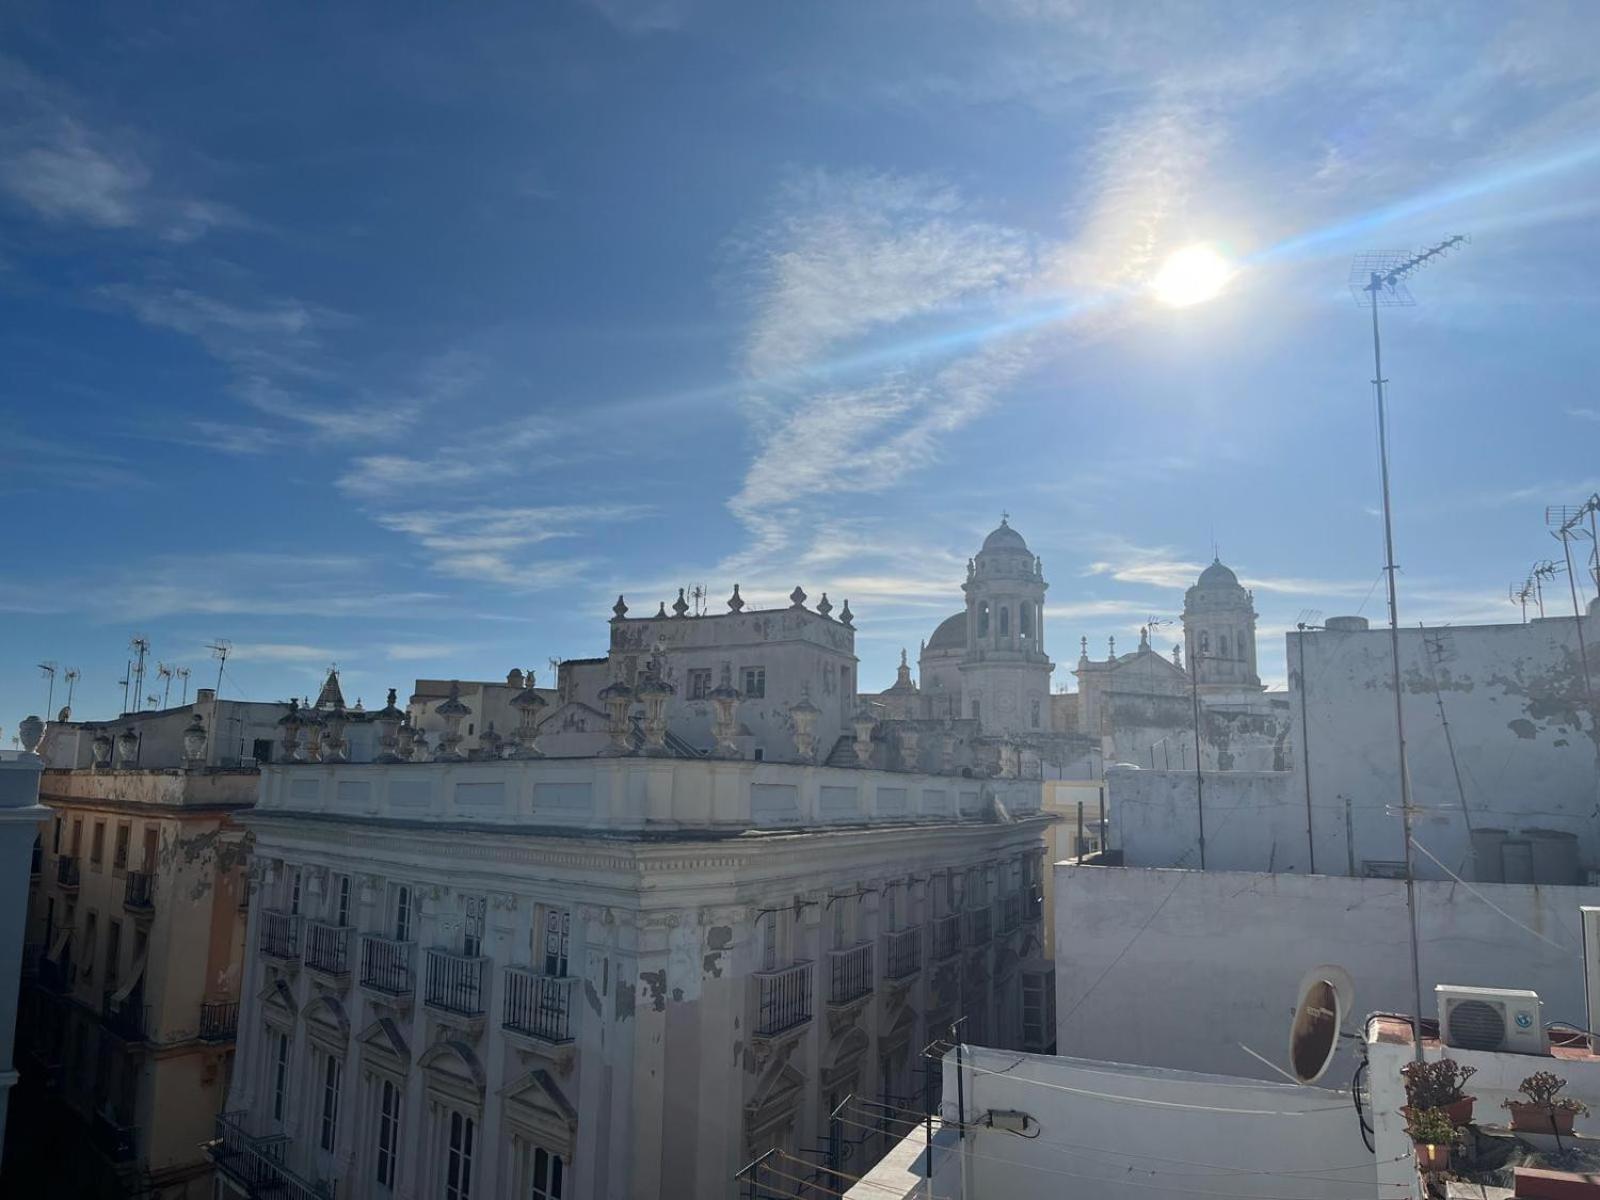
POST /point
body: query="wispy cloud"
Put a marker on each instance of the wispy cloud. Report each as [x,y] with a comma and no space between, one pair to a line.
[281,652]
[490,545]
[29,463]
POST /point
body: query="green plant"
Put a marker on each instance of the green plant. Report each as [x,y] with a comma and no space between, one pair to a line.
[1435,1084]
[1431,1127]
[1541,1090]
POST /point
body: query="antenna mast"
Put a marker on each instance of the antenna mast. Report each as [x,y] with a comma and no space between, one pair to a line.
[1381,278]
[72,683]
[48,669]
[219,651]
[183,674]
[165,672]
[140,645]
[1569,524]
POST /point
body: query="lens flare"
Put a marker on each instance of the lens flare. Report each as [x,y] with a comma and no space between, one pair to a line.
[1191,275]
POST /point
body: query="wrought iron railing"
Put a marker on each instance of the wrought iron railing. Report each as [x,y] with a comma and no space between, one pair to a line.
[126,1018]
[946,936]
[455,982]
[280,934]
[1033,906]
[67,871]
[386,965]
[256,1163]
[783,999]
[849,973]
[538,1005]
[977,927]
[902,952]
[1010,913]
[139,891]
[219,1020]
[328,948]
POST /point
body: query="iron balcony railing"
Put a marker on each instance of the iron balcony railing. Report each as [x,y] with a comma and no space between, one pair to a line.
[219,1020]
[977,927]
[539,1005]
[256,1163]
[67,871]
[946,936]
[455,982]
[139,891]
[783,999]
[386,965]
[1010,913]
[1033,906]
[849,973]
[328,948]
[902,952]
[280,934]
[126,1018]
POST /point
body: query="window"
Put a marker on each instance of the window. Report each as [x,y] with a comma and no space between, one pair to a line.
[280,1073]
[769,941]
[261,750]
[343,901]
[119,853]
[388,1133]
[699,683]
[472,927]
[77,837]
[330,1103]
[57,847]
[841,932]
[1205,642]
[1005,621]
[1222,646]
[97,848]
[548,1176]
[755,683]
[557,933]
[402,913]
[458,1164]
[891,914]
[983,618]
[844,682]
[294,890]
[1025,620]
[1035,704]
[974,710]
[91,944]
[113,954]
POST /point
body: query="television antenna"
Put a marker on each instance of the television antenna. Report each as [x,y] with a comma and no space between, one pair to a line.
[48,669]
[697,595]
[183,674]
[1568,524]
[219,651]
[1327,996]
[140,645]
[1381,279]
[71,677]
[165,672]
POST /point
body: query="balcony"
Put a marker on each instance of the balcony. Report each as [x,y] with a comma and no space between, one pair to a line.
[328,948]
[386,965]
[280,935]
[67,871]
[977,927]
[849,973]
[128,1018]
[219,1020]
[538,1006]
[946,937]
[1033,903]
[902,953]
[117,1142]
[139,892]
[455,983]
[256,1163]
[783,999]
[1010,913]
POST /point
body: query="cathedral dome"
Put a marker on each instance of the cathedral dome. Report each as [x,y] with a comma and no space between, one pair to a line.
[951,634]
[1004,538]
[1217,575]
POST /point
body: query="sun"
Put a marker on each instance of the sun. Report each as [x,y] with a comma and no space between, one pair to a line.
[1191,275]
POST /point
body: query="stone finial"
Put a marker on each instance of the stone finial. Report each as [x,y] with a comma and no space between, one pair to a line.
[661,609]
[862,723]
[909,752]
[527,703]
[735,601]
[805,714]
[101,746]
[127,747]
[1083,648]
[824,606]
[1144,637]
[453,711]
[725,724]
[31,730]
[194,743]
[654,692]
[797,598]
[680,606]
[389,719]
[620,608]
[1177,655]
[618,699]
[1111,648]
[846,617]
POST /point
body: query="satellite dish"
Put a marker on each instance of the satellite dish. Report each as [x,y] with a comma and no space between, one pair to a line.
[1326,996]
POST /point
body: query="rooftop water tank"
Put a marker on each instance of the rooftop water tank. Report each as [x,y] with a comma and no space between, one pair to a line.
[1346,624]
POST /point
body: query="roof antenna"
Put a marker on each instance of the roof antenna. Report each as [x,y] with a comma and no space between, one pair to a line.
[219,650]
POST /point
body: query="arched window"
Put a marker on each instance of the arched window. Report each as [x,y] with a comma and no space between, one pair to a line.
[1025,620]
[983,618]
[1005,621]
[1205,642]
[1222,646]
[1036,714]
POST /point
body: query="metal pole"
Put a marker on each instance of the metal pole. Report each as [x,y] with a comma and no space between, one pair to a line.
[1077,850]
[927,1128]
[1199,777]
[1305,750]
[1350,837]
[961,1088]
[1394,663]
[1577,613]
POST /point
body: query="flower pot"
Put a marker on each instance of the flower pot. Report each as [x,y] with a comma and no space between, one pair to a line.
[1540,1118]
[1432,1158]
[1460,1112]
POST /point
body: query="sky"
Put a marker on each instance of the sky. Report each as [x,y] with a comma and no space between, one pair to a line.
[407,337]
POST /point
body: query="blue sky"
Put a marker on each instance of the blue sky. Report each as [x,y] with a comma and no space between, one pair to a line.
[407,337]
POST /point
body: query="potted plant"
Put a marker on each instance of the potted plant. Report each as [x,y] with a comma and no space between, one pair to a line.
[1544,1111]
[1432,1133]
[1439,1085]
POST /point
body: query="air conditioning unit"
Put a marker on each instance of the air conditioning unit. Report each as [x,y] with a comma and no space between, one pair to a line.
[1503,1019]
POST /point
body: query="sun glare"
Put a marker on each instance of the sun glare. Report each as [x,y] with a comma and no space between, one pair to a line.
[1191,275]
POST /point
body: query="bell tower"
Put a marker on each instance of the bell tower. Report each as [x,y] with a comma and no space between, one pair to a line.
[1005,674]
[1219,632]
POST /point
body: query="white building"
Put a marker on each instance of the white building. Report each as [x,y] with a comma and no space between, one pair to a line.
[666,936]
[20,814]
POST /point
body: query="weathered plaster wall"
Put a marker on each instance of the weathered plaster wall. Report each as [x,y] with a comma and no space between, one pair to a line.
[1524,742]
[1178,968]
